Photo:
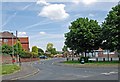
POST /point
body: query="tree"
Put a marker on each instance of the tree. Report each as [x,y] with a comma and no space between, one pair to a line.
[49,46]
[35,49]
[6,49]
[18,50]
[40,51]
[50,49]
[111,29]
[64,48]
[83,35]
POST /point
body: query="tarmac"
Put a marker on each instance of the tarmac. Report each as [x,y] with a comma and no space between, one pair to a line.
[26,70]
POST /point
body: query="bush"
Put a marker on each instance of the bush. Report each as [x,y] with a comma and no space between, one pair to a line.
[26,54]
[34,55]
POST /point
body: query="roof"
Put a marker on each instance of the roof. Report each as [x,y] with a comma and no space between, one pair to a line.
[6,34]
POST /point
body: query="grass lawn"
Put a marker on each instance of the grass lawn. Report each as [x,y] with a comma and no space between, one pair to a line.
[7,69]
[92,63]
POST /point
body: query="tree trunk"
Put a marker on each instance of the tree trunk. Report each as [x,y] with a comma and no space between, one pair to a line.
[92,53]
[108,55]
[85,53]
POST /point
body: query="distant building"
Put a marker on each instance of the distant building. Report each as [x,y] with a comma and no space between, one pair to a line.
[104,53]
[10,39]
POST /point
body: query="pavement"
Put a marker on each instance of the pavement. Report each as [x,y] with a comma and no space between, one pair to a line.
[26,70]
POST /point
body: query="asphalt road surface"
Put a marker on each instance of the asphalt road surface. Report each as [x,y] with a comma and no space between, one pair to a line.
[50,71]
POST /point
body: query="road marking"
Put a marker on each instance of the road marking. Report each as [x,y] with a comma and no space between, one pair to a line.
[52,63]
[105,73]
[113,72]
[109,73]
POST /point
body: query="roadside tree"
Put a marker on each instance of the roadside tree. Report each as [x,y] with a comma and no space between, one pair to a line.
[84,35]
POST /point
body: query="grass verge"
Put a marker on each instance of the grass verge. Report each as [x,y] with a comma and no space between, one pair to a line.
[8,69]
[92,64]
[99,62]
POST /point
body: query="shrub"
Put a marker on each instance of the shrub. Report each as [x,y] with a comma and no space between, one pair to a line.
[26,54]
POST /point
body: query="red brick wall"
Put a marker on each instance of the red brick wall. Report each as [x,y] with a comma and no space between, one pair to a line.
[105,55]
[25,42]
[8,59]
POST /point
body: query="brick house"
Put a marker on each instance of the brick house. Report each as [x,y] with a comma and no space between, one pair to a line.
[103,53]
[10,39]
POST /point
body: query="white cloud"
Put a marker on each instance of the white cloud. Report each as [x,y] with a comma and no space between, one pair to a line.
[91,15]
[42,2]
[22,34]
[42,33]
[53,11]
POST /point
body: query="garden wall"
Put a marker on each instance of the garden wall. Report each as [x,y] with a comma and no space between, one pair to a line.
[8,59]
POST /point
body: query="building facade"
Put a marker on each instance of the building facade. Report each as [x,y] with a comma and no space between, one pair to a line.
[10,39]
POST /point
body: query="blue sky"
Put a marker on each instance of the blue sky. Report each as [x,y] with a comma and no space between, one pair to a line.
[46,22]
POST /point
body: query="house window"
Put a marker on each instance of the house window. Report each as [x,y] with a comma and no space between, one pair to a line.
[5,40]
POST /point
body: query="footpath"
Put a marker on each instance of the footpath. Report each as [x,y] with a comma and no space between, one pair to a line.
[26,70]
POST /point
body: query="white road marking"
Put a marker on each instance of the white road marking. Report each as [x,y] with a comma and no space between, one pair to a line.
[113,72]
[52,63]
[109,73]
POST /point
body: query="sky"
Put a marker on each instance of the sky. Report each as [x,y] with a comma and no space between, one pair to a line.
[47,21]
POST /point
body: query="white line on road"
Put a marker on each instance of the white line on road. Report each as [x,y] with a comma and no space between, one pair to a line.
[109,73]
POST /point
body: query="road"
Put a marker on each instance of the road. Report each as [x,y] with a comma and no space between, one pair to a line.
[50,71]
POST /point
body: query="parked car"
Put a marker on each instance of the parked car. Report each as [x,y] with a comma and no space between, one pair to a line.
[43,57]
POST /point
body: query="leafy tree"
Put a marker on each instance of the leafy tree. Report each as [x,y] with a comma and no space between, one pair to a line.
[35,49]
[18,50]
[83,35]
[40,51]
[64,48]
[49,46]
[111,29]
[6,49]
[51,49]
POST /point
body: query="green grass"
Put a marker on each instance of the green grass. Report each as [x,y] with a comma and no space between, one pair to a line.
[71,62]
[99,62]
[8,69]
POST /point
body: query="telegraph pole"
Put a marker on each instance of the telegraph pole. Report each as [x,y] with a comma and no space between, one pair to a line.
[17,48]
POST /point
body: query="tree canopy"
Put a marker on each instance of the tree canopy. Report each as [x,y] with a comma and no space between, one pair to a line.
[18,48]
[40,51]
[35,49]
[84,35]
[111,29]
[51,49]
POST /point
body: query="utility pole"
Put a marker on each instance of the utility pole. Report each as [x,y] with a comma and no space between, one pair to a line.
[17,48]
[13,59]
